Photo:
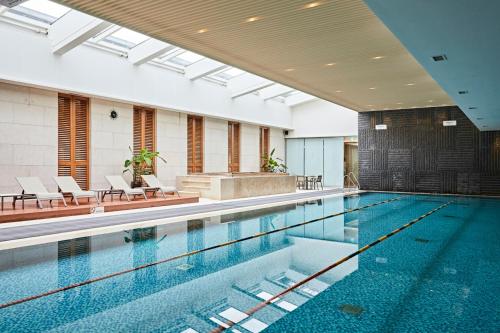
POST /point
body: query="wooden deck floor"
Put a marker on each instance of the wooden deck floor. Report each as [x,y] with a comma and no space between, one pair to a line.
[31,212]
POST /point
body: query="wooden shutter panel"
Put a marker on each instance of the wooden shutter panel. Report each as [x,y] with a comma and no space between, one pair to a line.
[233,147]
[264,146]
[144,132]
[73,138]
[195,144]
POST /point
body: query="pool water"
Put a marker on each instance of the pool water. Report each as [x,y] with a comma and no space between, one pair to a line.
[441,274]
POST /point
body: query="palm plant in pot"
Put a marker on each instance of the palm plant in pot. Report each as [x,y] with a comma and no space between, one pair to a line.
[272,164]
[141,164]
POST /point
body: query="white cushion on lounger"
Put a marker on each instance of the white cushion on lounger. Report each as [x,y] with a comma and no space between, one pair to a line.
[189,330]
[218,322]
[286,305]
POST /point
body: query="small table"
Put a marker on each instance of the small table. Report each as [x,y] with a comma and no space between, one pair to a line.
[9,195]
[307,179]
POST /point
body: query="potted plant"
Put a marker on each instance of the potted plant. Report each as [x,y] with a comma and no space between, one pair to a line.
[272,164]
[141,164]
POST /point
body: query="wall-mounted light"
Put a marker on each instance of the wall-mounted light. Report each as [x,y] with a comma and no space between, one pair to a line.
[113,114]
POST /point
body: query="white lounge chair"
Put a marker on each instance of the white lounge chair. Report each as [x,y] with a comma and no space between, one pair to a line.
[152,181]
[117,183]
[67,184]
[32,186]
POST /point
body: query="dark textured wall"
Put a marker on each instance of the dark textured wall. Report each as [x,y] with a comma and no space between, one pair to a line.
[417,154]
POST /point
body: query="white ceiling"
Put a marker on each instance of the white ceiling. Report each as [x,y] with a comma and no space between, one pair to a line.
[468,33]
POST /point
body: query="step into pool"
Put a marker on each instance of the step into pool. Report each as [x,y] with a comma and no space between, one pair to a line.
[375,262]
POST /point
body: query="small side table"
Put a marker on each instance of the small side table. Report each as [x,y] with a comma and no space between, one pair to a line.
[9,195]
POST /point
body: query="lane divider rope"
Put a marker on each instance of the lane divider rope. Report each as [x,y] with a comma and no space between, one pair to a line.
[187,254]
[335,264]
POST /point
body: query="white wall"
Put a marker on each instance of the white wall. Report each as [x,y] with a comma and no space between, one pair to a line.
[27,58]
[277,142]
[110,140]
[215,145]
[171,142]
[320,118]
[249,148]
[28,136]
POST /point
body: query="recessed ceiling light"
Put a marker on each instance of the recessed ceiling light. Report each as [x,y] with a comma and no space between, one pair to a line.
[372,88]
[399,103]
[338,91]
[378,57]
[312,5]
[289,69]
[330,64]
[410,84]
[201,31]
[430,101]
[369,105]
[253,19]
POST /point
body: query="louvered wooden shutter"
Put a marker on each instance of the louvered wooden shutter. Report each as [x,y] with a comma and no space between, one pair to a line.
[264,146]
[233,136]
[195,144]
[144,121]
[73,138]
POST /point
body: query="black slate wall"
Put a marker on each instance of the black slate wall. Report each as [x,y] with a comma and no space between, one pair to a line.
[417,154]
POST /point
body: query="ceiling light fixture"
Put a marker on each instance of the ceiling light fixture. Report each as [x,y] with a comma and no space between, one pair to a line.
[312,5]
[410,84]
[430,101]
[399,103]
[378,57]
[201,31]
[372,88]
[289,69]
[252,19]
[330,64]
[338,91]
[441,57]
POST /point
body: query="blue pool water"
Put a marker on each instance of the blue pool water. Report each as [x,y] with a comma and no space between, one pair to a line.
[440,275]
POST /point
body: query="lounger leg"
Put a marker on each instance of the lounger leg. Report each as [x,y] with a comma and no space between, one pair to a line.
[76,201]
[178,194]
[64,202]
[50,203]
[145,197]
[126,195]
[39,203]
[97,199]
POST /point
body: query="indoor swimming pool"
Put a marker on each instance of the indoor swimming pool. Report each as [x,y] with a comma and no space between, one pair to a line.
[440,273]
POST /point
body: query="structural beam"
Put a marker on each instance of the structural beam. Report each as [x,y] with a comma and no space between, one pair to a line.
[73,29]
[203,68]
[274,91]
[246,84]
[148,50]
[297,99]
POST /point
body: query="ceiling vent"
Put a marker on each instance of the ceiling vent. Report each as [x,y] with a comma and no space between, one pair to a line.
[441,57]
[463,92]
[472,108]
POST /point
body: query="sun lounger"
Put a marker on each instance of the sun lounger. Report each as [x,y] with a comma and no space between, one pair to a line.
[117,183]
[152,181]
[33,187]
[67,184]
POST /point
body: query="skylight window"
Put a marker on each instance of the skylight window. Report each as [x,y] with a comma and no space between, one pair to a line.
[186,58]
[228,74]
[126,38]
[40,10]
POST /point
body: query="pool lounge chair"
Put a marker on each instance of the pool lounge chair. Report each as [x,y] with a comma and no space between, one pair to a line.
[67,184]
[152,181]
[119,184]
[34,189]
